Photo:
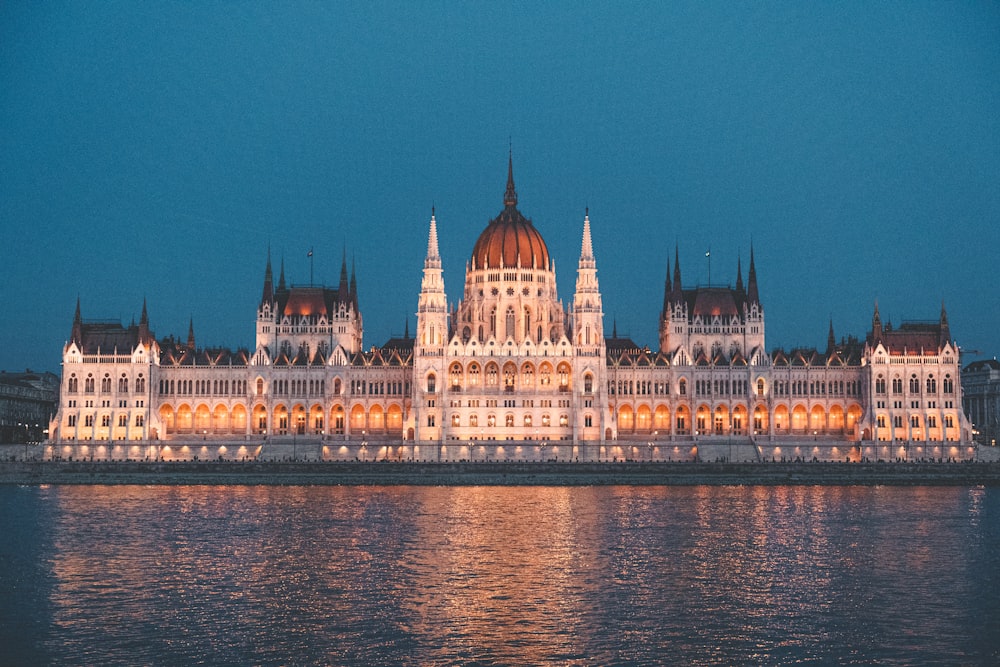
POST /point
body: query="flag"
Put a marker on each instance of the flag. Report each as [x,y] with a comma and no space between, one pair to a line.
[708,253]
[310,254]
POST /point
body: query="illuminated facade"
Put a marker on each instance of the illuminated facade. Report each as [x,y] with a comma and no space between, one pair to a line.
[511,372]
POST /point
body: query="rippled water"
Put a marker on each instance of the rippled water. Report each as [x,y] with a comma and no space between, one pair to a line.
[505,576]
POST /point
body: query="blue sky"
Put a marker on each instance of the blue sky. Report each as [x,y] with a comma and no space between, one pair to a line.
[155,150]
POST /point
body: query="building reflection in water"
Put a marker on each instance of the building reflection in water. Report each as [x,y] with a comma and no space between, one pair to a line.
[512,575]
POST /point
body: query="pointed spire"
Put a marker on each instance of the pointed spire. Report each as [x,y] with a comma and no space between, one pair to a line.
[510,197]
[281,278]
[677,295]
[344,289]
[144,336]
[831,341]
[876,324]
[614,328]
[587,248]
[667,292]
[753,296]
[190,343]
[432,239]
[268,294]
[406,329]
[945,329]
[739,275]
[77,334]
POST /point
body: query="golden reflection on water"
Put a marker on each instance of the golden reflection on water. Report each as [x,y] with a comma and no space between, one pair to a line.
[506,575]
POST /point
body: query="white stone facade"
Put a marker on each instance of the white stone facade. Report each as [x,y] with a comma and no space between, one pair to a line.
[511,373]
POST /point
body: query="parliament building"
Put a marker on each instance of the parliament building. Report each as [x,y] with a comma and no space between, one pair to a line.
[511,372]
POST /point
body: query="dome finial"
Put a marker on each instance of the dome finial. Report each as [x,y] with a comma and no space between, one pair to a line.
[510,197]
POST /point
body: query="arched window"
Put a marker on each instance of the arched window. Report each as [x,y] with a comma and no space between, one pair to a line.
[493,321]
[949,385]
[931,385]
[897,385]
[509,420]
[563,372]
[492,375]
[73,384]
[682,387]
[760,387]
[106,384]
[473,420]
[88,384]
[879,385]
[260,386]
[140,384]
[123,384]
[914,384]
[527,420]
[509,333]
[588,383]
[456,376]
[474,375]
[527,323]
[431,383]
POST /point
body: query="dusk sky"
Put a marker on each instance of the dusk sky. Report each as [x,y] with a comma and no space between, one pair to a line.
[156,150]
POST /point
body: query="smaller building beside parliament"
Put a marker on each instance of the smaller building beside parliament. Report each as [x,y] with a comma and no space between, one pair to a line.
[511,373]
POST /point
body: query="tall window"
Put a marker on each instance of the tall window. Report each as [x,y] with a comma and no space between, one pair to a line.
[914,385]
[880,385]
[509,333]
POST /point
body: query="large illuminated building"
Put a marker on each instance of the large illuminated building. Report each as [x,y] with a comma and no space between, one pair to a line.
[511,372]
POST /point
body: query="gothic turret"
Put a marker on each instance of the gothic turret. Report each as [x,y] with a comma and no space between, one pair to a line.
[587,311]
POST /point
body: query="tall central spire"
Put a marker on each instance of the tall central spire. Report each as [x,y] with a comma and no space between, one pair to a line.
[510,197]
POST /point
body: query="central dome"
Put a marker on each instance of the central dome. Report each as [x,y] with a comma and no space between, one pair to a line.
[510,240]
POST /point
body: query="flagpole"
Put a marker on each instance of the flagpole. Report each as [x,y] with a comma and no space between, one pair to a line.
[709,256]
[310,267]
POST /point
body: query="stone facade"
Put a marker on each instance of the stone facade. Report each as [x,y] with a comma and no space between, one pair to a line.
[27,404]
[511,372]
[981,398]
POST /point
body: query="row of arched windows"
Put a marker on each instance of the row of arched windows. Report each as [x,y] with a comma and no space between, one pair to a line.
[73,384]
[930,384]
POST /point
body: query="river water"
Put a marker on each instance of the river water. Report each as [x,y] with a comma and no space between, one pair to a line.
[499,575]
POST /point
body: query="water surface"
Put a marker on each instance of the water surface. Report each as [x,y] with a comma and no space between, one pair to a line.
[499,575]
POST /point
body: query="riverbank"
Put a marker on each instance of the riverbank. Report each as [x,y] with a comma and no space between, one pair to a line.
[500,474]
